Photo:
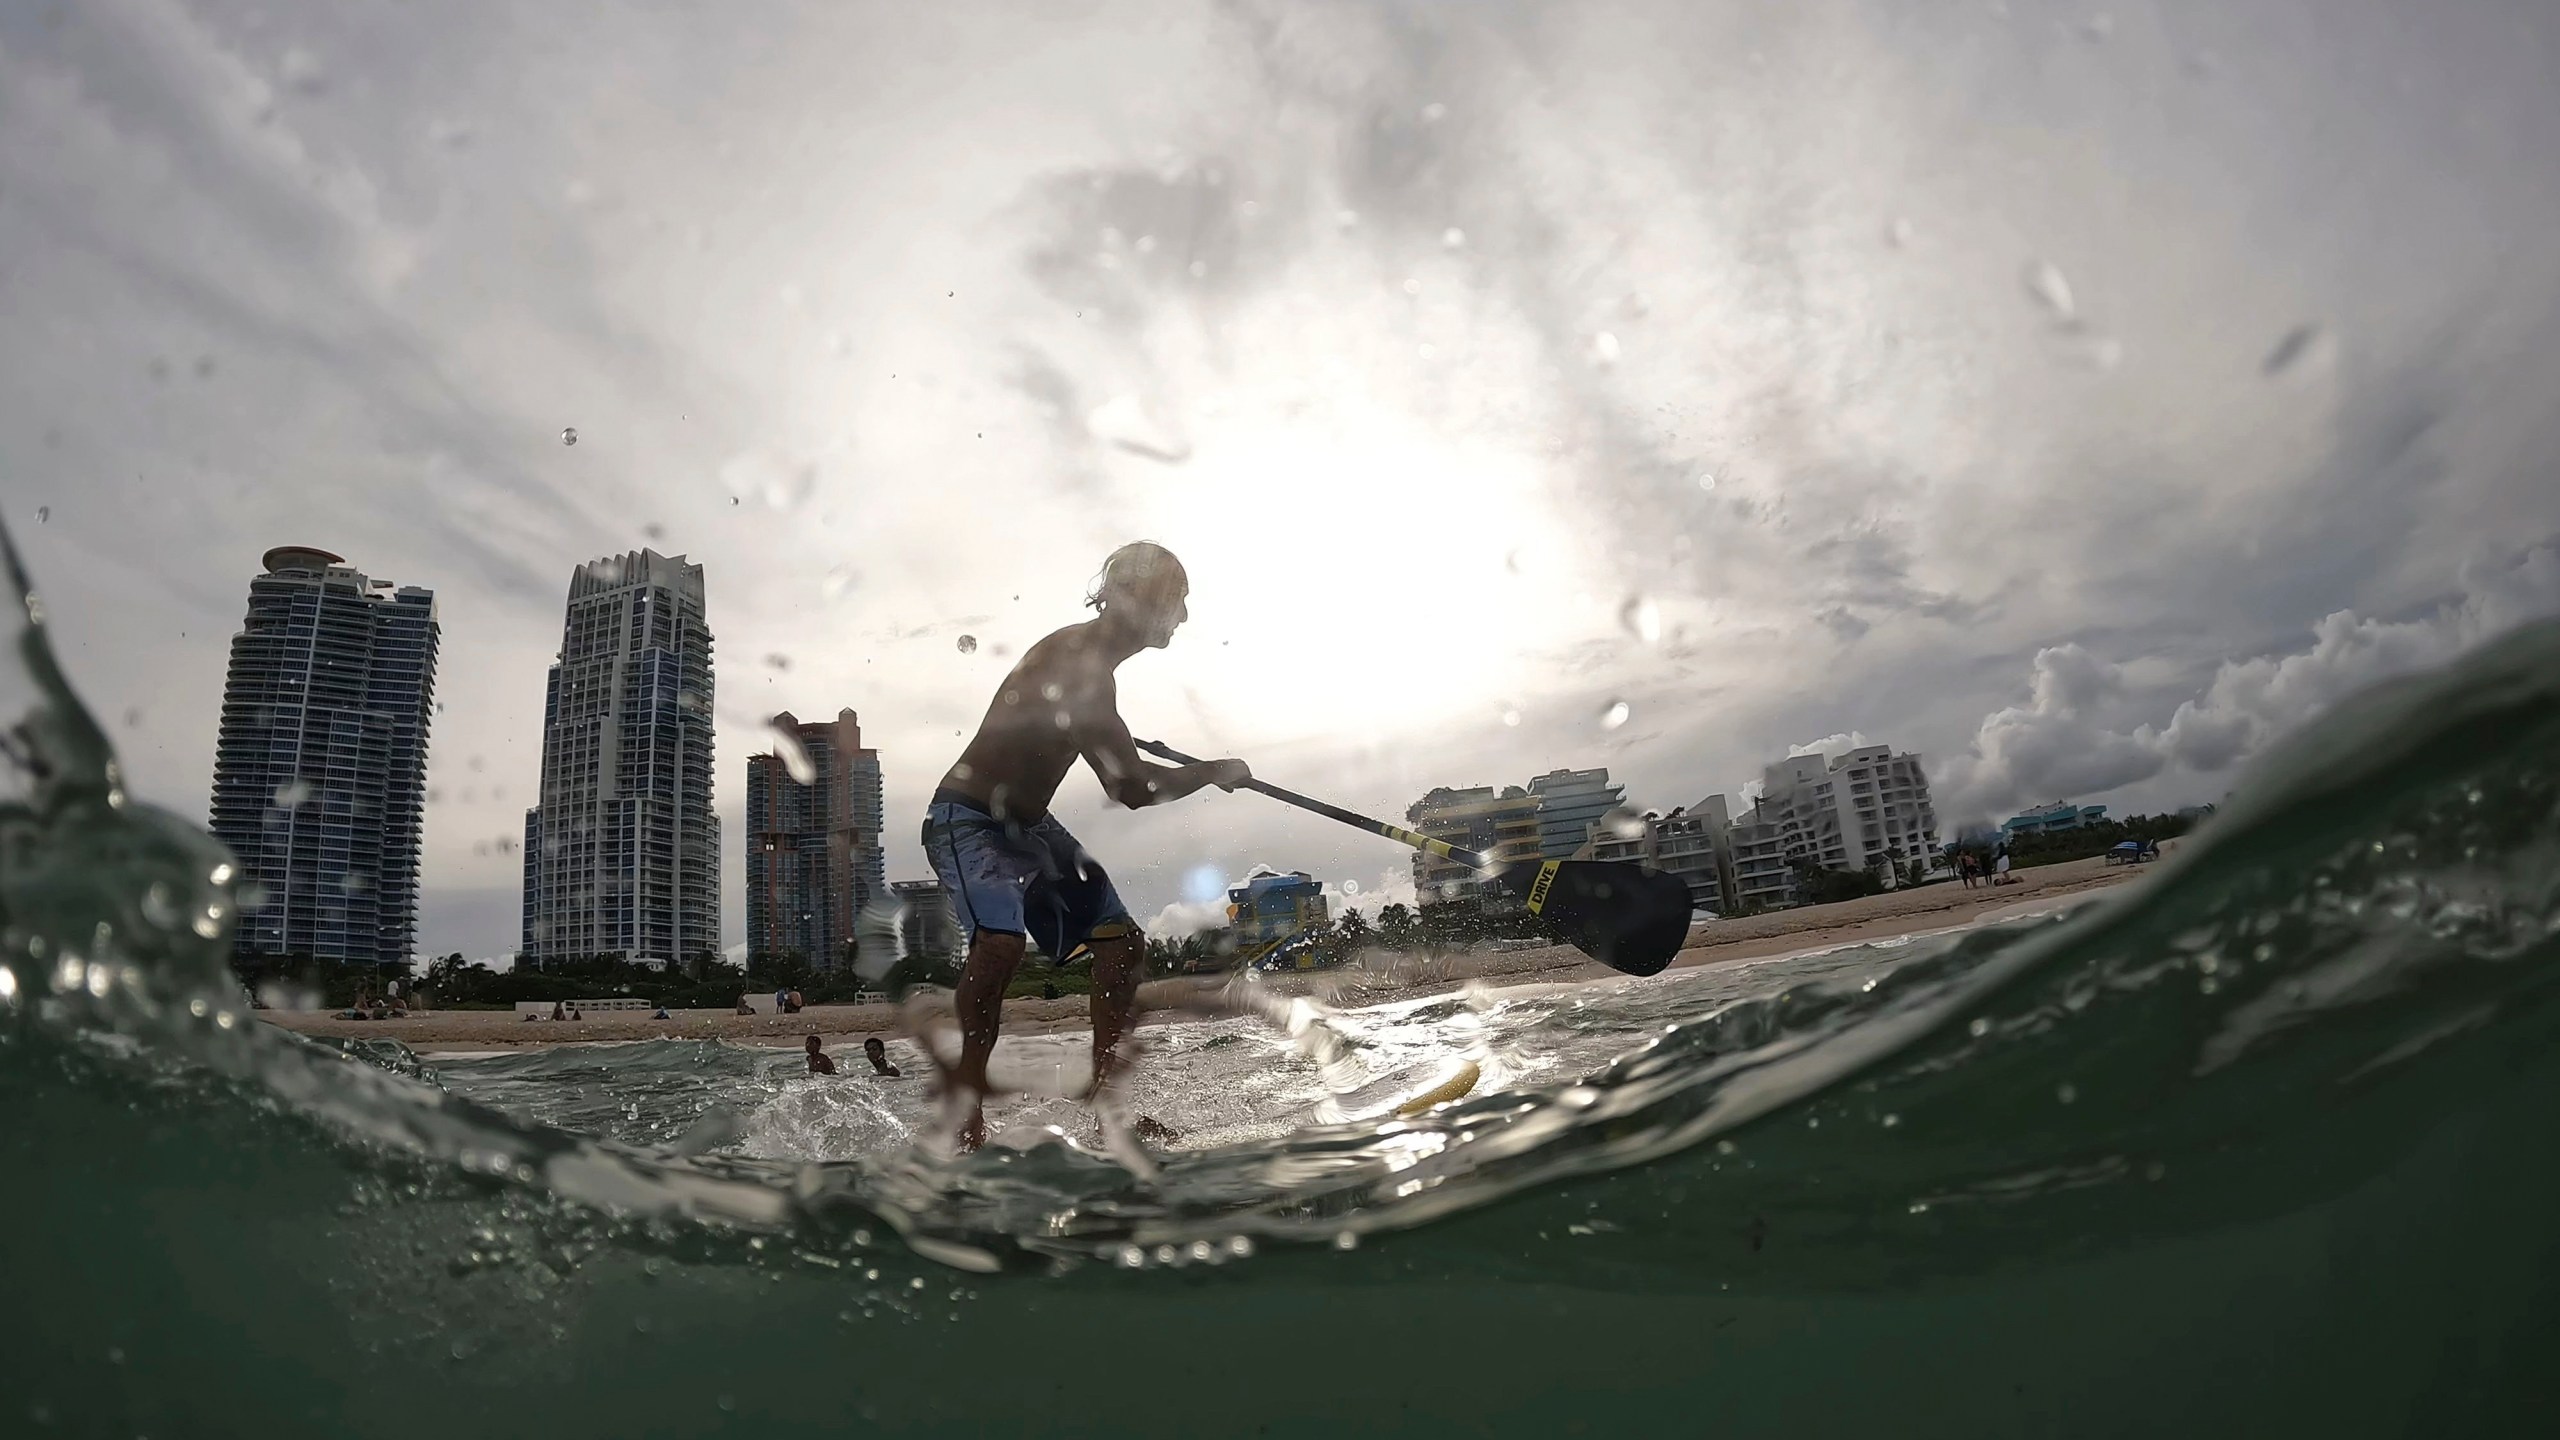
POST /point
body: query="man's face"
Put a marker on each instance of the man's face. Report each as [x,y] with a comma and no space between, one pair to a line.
[1161,614]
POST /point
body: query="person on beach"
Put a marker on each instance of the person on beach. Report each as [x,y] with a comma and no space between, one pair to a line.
[2000,865]
[1013,872]
[819,1062]
[878,1054]
[1965,868]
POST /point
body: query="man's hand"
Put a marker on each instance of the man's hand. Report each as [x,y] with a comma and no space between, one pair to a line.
[1228,774]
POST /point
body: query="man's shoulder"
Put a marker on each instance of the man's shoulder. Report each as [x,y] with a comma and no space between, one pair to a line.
[1064,651]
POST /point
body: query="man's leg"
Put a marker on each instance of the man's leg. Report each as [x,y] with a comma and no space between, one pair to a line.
[993,956]
[1117,963]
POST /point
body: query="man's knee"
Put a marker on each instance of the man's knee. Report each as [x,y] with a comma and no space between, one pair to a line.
[995,950]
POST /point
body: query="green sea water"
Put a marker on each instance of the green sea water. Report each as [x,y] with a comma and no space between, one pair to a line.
[2263,1146]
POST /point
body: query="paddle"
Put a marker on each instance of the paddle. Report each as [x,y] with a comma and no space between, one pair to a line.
[1617,912]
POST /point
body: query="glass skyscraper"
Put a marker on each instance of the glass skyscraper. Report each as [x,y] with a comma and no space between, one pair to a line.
[622,854]
[319,770]
[814,862]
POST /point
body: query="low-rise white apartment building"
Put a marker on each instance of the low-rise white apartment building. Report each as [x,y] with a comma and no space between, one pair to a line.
[1866,808]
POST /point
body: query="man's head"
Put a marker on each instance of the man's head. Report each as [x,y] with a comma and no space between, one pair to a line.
[1143,588]
[813,1045]
[873,1048]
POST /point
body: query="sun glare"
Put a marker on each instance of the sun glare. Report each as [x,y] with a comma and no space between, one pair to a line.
[1365,574]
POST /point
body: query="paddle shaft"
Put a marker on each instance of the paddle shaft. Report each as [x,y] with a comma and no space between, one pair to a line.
[1425,843]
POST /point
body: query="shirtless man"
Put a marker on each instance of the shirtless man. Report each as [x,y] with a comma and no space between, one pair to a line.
[1011,868]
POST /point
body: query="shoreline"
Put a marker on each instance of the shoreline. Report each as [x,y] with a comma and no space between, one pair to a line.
[1929,909]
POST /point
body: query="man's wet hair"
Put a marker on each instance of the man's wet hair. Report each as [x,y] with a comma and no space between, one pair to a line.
[1133,569]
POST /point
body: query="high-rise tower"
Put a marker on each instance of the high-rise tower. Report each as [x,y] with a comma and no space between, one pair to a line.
[814,862]
[320,766]
[622,855]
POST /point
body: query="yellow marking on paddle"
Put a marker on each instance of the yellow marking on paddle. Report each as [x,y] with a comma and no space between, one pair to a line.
[1460,1081]
[1538,890]
[1440,848]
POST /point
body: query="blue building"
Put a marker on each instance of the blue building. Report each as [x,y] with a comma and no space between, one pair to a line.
[1268,907]
[1570,802]
[2052,818]
[319,769]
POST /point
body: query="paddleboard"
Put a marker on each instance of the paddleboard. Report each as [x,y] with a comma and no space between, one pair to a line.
[1460,1081]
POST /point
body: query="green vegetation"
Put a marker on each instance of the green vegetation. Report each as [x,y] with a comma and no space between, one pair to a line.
[2088,840]
[1399,927]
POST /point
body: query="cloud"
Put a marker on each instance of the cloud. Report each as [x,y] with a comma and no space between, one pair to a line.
[2061,744]
[2056,745]
[2251,702]
[1185,918]
[1829,745]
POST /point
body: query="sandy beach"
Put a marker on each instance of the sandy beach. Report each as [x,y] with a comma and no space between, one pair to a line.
[1876,917]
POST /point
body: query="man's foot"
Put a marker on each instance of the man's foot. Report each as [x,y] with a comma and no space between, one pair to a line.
[960,1078]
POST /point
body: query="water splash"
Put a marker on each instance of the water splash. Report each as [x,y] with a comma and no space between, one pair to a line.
[1615,714]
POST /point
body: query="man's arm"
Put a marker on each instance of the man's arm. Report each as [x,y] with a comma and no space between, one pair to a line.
[1129,778]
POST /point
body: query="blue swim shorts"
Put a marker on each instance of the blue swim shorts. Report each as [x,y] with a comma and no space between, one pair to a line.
[1020,877]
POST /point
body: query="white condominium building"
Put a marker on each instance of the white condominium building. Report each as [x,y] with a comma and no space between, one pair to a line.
[1861,810]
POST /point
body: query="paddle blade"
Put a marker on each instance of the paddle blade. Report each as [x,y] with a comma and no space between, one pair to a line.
[1615,911]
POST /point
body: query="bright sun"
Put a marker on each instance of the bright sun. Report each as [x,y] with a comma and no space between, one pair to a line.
[1365,573]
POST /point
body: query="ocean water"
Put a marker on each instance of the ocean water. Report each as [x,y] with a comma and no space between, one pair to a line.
[2263,1146]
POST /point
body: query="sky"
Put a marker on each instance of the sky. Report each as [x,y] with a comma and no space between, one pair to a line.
[2080,396]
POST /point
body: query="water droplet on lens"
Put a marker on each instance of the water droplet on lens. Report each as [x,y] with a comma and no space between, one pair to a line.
[568,434]
[1641,618]
[2296,346]
[1899,232]
[795,756]
[778,661]
[2044,282]
[1434,113]
[1510,717]
[1347,1240]
[1979,1028]
[968,644]
[1604,349]
[838,581]
[1615,714]
[1453,237]
[1706,480]
[2066,1092]
[293,794]
[43,513]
